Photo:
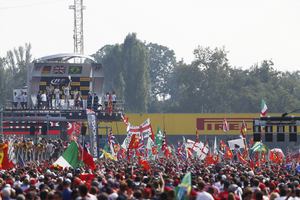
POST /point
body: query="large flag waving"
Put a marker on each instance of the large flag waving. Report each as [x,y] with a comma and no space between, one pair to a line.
[263,108]
[183,191]
[70,157]
[144,130]
[134,142]
[86,157]
[4,159]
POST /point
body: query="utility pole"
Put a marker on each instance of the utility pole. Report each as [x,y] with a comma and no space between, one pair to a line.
[78,25]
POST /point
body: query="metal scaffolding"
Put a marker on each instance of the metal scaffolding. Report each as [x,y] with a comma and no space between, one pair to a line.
[78,25]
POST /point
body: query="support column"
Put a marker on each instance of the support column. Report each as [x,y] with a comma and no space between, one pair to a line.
[63,130]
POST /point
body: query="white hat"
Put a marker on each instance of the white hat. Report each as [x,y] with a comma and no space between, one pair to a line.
[69,175]
[114,196]
[53,174]
[224,177]
[68,180]
[41,177]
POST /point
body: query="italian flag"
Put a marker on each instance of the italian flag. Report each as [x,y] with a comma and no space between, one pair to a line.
[263,109]
[70,157]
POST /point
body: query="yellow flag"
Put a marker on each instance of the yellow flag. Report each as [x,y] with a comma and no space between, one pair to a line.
[108,155]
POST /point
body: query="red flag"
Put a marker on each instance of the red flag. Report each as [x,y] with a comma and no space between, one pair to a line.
[243,130]
[4,161]
[245,155]
[86,158]
[222,146]
[263,158]
[197,136]
[257,164]
[241,159]
[257,155]
[46,163]
[154,150]
[134,142]
[109,104]
[212,160]
[87,177]
[274,157]
[228,153]
[251,141]
[144,164]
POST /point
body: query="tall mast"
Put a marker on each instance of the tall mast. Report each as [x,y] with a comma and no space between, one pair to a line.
[78,25]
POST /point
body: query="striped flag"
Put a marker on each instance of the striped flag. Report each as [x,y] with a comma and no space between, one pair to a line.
[263,108]
[225,125]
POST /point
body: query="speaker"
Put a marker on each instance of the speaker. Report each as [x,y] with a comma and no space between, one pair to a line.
[280,137]
[44,130]
[256,137]
[83,130]
[293,137]
[268,137]
[32,130]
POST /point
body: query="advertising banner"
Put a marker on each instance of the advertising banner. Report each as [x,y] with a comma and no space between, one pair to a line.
[93,132]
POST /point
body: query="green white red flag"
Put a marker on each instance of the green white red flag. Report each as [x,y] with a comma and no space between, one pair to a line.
[263,108]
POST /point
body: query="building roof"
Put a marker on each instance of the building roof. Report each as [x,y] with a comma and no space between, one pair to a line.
[63,57]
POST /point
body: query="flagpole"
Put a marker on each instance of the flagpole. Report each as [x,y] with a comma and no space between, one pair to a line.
[83,137]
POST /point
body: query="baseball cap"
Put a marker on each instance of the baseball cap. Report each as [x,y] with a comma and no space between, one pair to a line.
[32,182]
[176,182]
[193,193]
[147,191]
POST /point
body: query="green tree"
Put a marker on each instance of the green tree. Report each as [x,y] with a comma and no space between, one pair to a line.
[135,59]
[16,62]
[203,84]
[162,71]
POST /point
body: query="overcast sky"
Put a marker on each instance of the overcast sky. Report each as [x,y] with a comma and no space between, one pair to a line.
[250,30]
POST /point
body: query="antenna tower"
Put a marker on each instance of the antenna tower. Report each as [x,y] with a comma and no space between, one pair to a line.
[78,25]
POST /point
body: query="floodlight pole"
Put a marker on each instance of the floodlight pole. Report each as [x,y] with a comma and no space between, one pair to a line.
[78,25]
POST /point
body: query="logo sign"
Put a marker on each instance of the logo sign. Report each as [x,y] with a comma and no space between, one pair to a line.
[37,68]
[58,81]
[97,68]
[215,125]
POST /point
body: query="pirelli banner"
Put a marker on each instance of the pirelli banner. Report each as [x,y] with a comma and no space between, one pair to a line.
[82,84]
[204,124]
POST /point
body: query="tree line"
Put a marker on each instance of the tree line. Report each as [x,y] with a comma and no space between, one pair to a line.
[13,72]
[149,79]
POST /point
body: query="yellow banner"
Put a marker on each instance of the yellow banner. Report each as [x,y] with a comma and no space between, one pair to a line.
[85,79]
[75,83]
[206,124]
[84,88]
[42,83]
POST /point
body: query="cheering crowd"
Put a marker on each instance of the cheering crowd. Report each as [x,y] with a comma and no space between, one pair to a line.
[163,178]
